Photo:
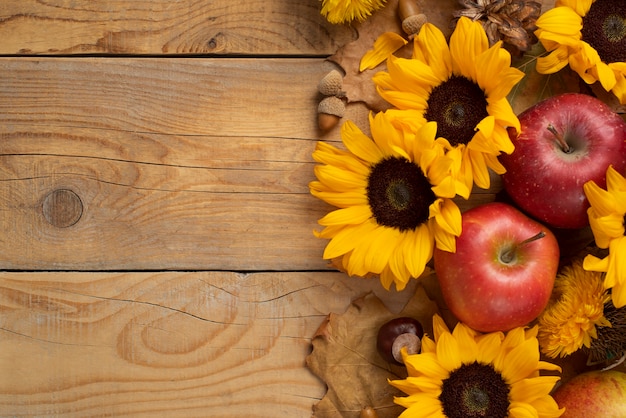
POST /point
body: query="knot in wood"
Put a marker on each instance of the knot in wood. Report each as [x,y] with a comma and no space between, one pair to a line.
[62,208]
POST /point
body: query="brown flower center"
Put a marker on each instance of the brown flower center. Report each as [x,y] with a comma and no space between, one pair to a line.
[399,194]
[475,391]
[604,28]
[457,105]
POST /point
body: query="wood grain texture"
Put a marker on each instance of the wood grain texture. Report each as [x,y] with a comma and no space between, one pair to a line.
[166,344]
[178,164]
[257,27]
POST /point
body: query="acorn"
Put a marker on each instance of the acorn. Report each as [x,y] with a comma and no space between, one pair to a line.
[411,16]
[329,111]
[331,84]
[396,334]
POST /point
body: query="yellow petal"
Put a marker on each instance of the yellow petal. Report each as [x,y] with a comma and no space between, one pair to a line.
[418,249]
[554,61]
[426,364]
[561,20]
[449,352]
[581,7]
[347,239]
[521,362]
[488,347]
[467,42]
[347,216]
[385,45]
[532,388]
[430,47]
[593,263]
[360,144]
[606,76]
[522,410]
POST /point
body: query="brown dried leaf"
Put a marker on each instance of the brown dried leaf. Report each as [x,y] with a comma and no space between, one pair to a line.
[344,356]
[358,85]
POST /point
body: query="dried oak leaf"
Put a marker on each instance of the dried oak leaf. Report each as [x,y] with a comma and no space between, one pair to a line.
[358,86]
[344,356]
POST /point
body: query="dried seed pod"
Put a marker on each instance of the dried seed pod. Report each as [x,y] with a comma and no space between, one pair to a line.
[329,111]
[331,84]
[411,16]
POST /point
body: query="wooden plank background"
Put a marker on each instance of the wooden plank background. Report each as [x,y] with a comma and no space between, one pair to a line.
[157,253]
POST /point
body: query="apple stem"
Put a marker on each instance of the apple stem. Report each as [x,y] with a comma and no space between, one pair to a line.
[509,255]
[566,148]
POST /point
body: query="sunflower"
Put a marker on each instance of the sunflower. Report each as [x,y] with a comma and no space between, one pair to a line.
[394,193]
[607,216]
[345,11]
[590,36]
[466,374]
[572,319]
[462,87]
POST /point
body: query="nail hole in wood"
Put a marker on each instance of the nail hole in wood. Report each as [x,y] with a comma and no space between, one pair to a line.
[62,208]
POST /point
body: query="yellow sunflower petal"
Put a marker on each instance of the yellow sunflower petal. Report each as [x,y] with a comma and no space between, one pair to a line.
[359,143]
[488,347]
[497,77]
[520,362]
[561,20]
[547,407]
[593,263]
[522,410]
[581,7]
[606,76]
[466,43]
[385,45]
[420,405]
[447,215]
[449,352]
[339,179]
[480,171]
[430,47]
[616,272]
[503,113]
[600,199]
[346,240]
[426,364]
[554,61]
[533,388]
[343,199]
[347,216]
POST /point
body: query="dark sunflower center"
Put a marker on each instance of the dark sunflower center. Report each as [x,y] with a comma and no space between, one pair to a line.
[475,390]
[457,105]
[604,28]
[399,194]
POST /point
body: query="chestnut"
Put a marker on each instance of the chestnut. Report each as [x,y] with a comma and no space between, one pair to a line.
[396,334]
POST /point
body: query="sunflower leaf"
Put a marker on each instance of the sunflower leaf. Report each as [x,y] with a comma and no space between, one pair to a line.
[535,87]
[344,356]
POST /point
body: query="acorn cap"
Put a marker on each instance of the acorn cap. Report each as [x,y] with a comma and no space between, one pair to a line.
[331,84]
[332,105]
[412,24]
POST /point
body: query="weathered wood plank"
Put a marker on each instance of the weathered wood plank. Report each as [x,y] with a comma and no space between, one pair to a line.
[285,27]
[134,164]
[166,344]
[156,153]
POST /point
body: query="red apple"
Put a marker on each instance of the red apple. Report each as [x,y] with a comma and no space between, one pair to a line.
[593,394]
[502,273]
[565,141]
